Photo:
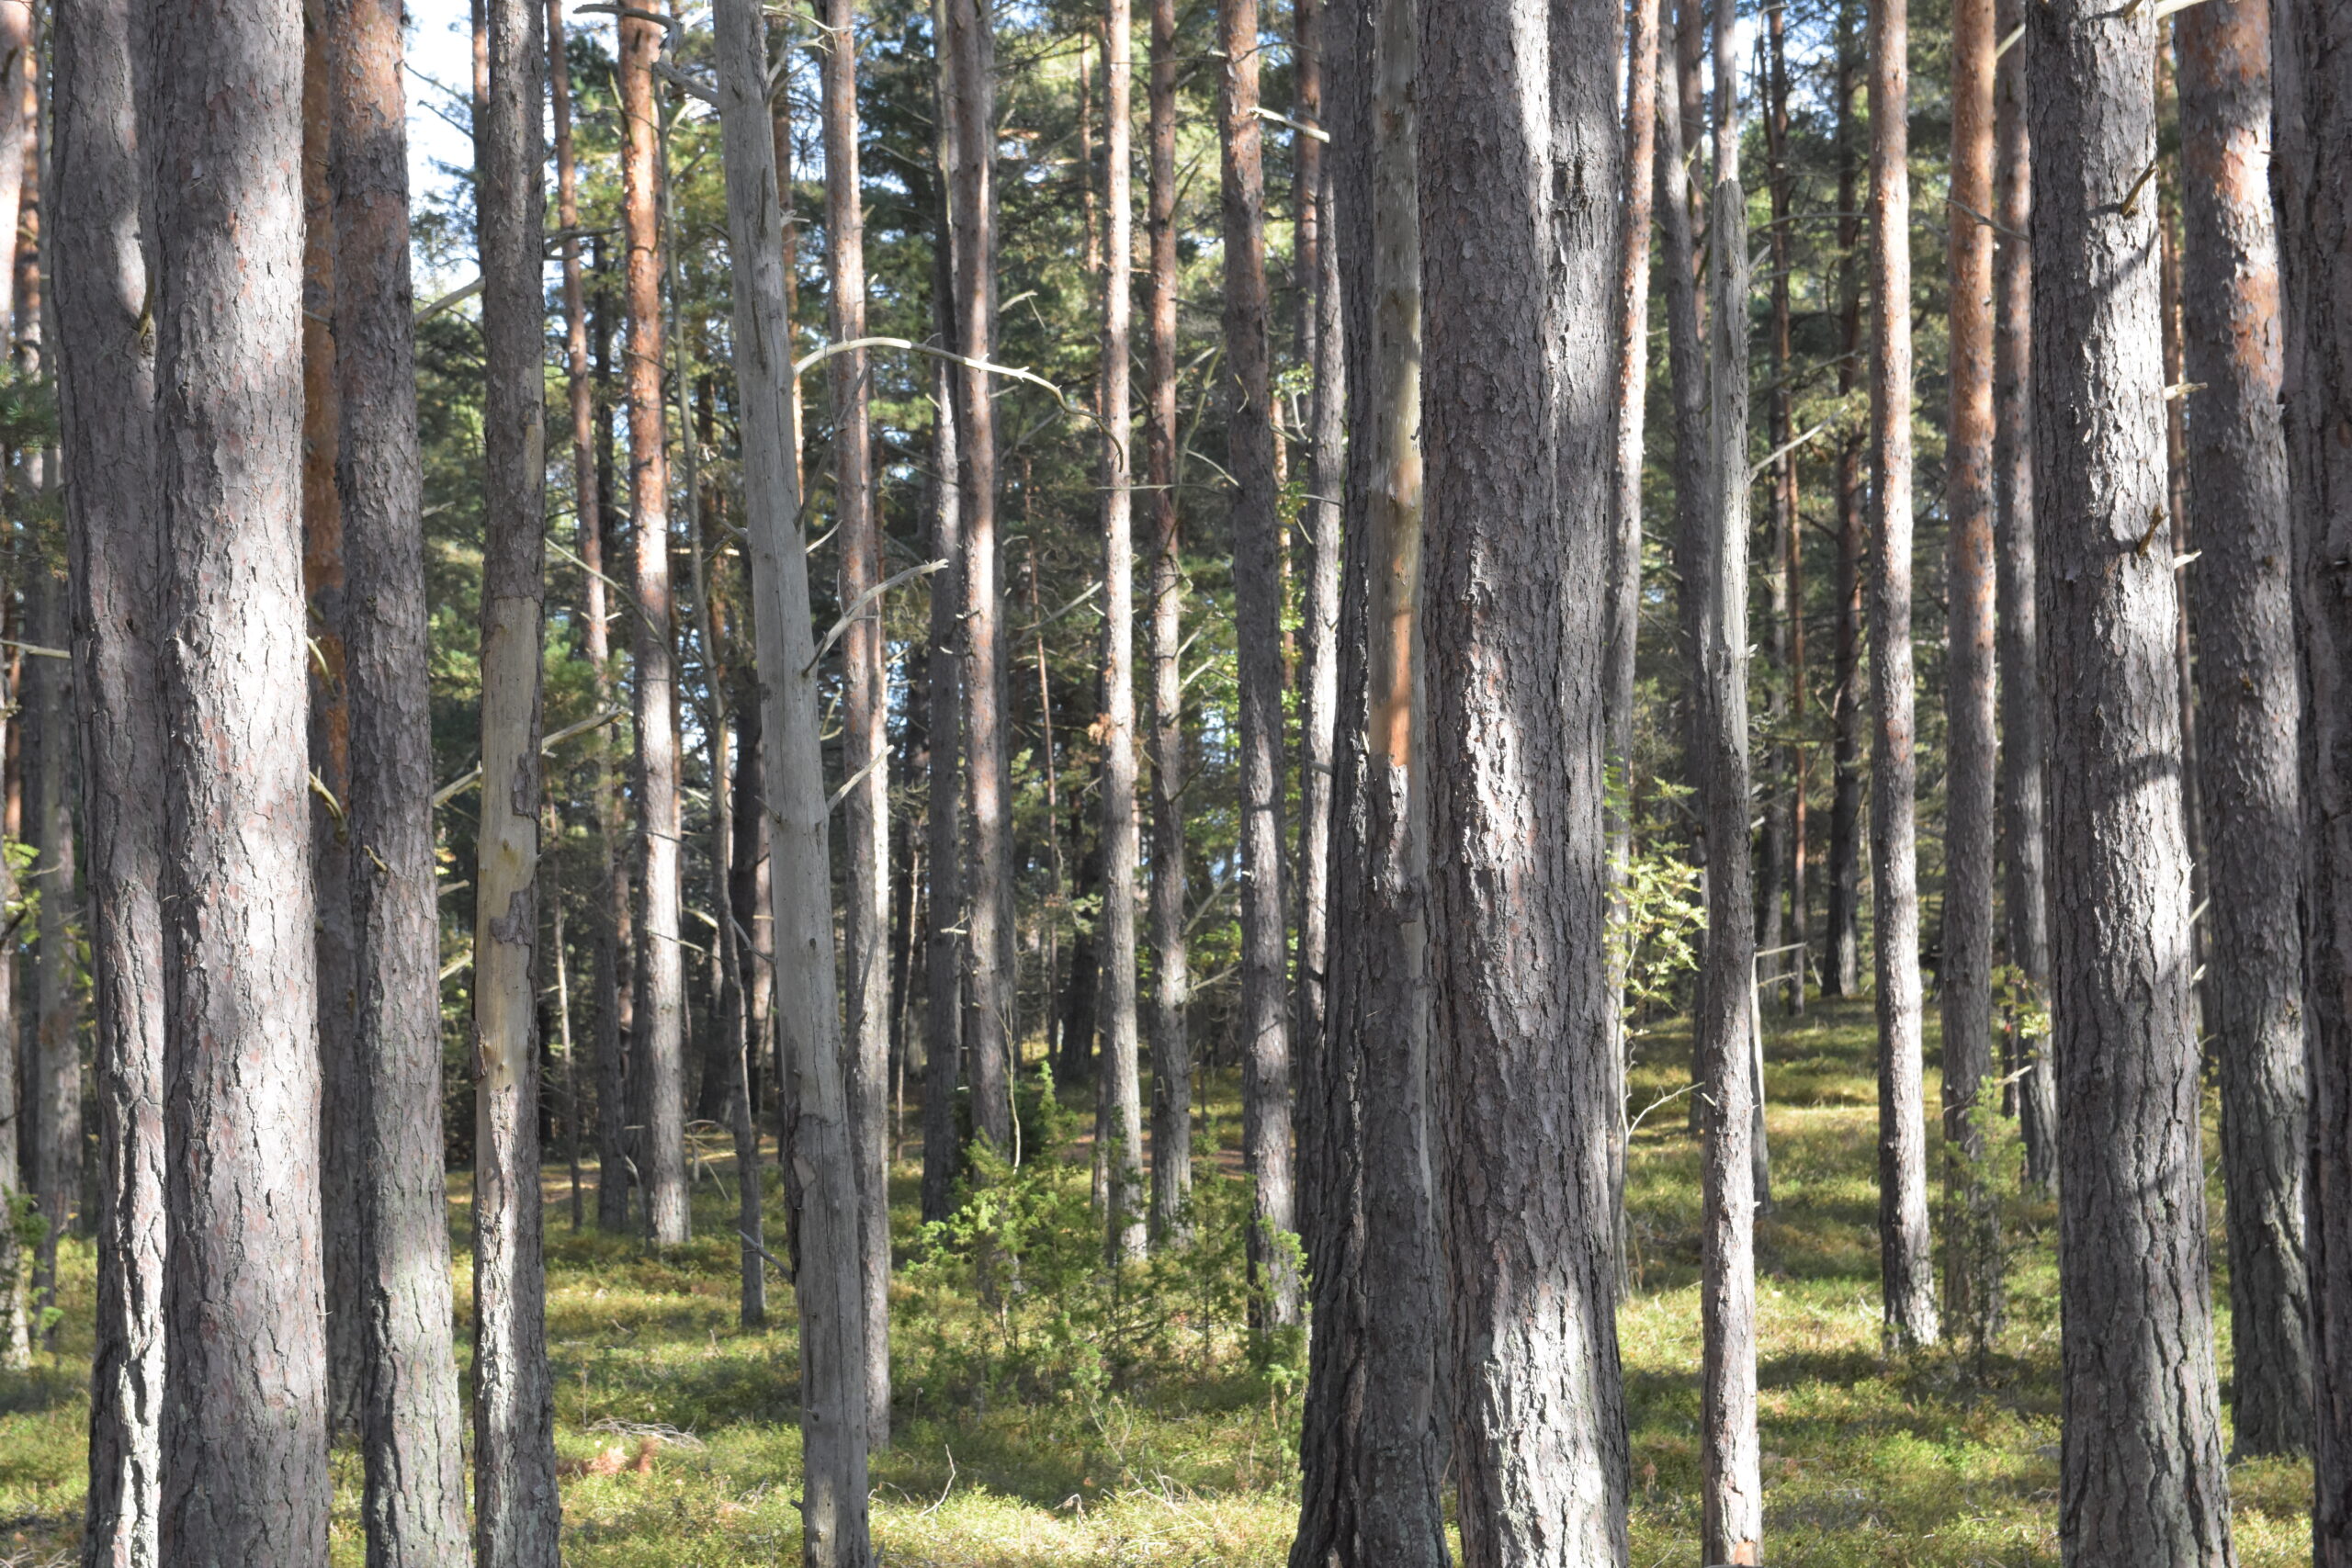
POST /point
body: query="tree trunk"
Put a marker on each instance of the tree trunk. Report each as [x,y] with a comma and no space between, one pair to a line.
[944,955]
[830,1291]
[1625,602]
[19,63]
[615,934]
[2024,718]
[2247,696]
[410,1430]
[1972,1222]
[1256,617]
[660,1038]
[988,1029]
[2312,120]
[1843,966]
[1788,524]
[245,1459]
[1120,847]
[517,1516]
[1171,1049]
[865,739]
[1373,1444]
[2142,1478]
[1906,1267]
[106,398]
[55,1081]
[1519,344]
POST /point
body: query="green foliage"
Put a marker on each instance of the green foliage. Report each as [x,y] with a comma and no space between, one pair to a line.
[1654,927]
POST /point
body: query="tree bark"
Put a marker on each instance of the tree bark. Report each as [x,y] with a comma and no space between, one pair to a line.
[1171,1049]
[988,1029]
[943,954]
[1257,619]
[415,1501]
[2311,119]
[1519,149]
[1843,966]
[245,1462]
[835,1381]
[2024,717]
[106,399]
[54,1082]
[2241,596]
[1788,522]
[660,1037]
[1972,1222]
[1906,1267]
[18,62]
[2142,1477]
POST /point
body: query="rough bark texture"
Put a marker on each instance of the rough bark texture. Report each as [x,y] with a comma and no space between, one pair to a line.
[1906,1267]
[835,1386]
[1172,980]
[106,399]
[1256,614]
[2024,708]
[2140,1471]
[415,1500]
[1788,542]
[1679,205]
[1971,1225]
[2311,46]
[1373,1442]
[658,1063]
[518,1517]
[1841,969]
[54,1080]
[866,738]
[969,45]
[1518,189]
[2241,596]
[245,1482]
[1121,849]
[944,952]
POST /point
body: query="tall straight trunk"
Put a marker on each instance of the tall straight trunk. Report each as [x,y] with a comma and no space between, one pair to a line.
[1773,843]
[106,399]
[2241,596]
[1906,1269]
[943,713]
[1732,1499]
[969,43]
[19,61]
[830,1289]
[866,738]
[2168,189]
[1625,602]
[1517,411]
[2141,1474]
[1172,980]
[749,888]
[1788,523]
[1842,965]
[1324,340]
[1256,629]
[518,1517]
[2312,117]
[2024,718]
[324,584]
[1121,850]
[659,1044]
[1373,1445]
[415,1500]
[16,1273]
[55,1083]
[244,1459]
[1972,1222]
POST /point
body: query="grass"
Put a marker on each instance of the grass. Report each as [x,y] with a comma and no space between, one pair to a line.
[1928,1460]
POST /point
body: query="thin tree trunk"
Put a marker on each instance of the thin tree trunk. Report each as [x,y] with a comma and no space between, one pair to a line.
[989,1033]
[944,955]
[1120,847]
[660,1037]
[16,1273]
[1906,1267]
[1258,603]
[2241,594]
[1843,966]
[835,1383]
[1171,1049]
[2312,120]
[559,951]
[244,1460]
[1787,541]
[55,1080]
[19,63]
[2177,511]
[2024,720]
[2141,1474]
[1519,344]
[106,399]
[1972,1222]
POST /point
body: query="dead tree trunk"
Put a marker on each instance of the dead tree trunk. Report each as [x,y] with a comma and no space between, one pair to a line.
[2142,1477]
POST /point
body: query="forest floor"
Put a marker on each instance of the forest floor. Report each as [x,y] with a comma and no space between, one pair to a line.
[676,1427]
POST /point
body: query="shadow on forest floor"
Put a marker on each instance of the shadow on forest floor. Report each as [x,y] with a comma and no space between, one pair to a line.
[676,1427]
